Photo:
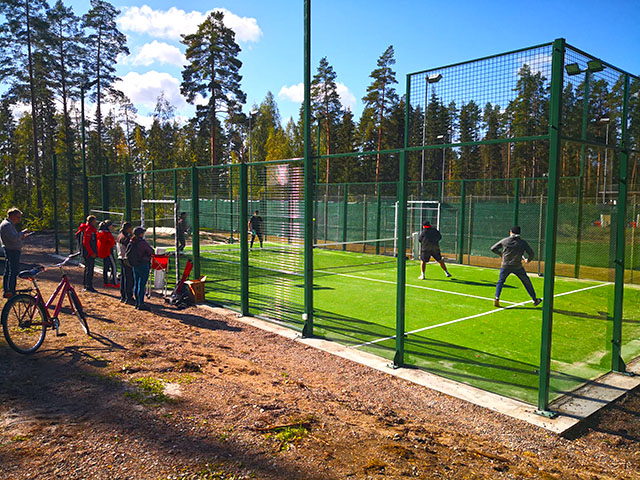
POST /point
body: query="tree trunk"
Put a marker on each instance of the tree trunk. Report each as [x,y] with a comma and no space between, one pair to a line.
[380,136]
[34,119]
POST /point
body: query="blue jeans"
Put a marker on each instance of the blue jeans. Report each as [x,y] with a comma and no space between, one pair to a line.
[519,272]
[140,277]
[11,270]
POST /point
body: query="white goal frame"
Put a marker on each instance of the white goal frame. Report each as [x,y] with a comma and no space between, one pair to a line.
[422,206]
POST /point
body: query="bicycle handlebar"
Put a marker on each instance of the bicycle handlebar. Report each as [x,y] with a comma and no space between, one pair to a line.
[41,268]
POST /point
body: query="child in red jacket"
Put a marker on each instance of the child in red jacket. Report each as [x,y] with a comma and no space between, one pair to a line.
[106,242]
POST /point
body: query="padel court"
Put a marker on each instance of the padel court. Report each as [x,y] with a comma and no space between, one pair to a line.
[452,327]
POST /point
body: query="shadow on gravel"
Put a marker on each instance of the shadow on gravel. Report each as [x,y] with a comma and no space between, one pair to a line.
[61,387]
[619,419]
[190,317]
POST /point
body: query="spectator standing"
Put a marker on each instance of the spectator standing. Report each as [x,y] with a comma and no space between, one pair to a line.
[106,242]
[126,271]
[89,250]
[12,241]
[183,228]
[139,255]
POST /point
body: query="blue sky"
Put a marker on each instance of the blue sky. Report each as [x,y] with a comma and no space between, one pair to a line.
[353,34]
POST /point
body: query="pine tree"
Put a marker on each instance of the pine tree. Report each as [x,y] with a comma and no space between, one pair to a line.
[326,106]
[19,41]
[213,72]
[104,43]
[381,98]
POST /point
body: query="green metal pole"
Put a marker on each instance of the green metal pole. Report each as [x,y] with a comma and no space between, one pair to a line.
[617,363]
[555,121]
[141,177]
[153,196]
[55,202]
[244,242]
[463,200]
[307,330]
[175,186]
[516,200]
[105,194]
[70,196]
[231,205]
[85,184]
[195,222]
[378,217]
[583,136]
[127,198]
[345,205]
[398,358]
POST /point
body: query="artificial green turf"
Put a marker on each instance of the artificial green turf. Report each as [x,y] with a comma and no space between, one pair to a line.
[355,303]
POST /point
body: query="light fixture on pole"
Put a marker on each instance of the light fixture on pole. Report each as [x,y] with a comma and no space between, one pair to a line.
[606,156]
[434,78]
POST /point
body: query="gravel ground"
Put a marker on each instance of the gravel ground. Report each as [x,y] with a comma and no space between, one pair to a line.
[195,394]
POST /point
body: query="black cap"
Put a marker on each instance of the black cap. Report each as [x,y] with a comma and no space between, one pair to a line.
[515,229]
[426,223]
[138,230]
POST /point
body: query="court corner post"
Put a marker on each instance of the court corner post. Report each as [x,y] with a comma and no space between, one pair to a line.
[463,203]
[244,244]
[398,358]
[127,197]
[617,363]
[195,221]
[309,177]
[555,118]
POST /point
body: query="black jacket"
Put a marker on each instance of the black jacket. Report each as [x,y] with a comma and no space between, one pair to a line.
[429,238]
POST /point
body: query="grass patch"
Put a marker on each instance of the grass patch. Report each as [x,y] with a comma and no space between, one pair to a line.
[208,472]
[148,391]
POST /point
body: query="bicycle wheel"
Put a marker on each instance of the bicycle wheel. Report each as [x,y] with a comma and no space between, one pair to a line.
[24,323]
[77,306]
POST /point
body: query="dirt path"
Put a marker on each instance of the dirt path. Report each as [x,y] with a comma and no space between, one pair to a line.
[194,394]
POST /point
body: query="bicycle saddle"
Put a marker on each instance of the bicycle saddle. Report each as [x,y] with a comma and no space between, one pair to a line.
[31,273]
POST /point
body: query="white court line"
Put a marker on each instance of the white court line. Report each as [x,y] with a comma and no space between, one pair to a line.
[477,315]
[408,285]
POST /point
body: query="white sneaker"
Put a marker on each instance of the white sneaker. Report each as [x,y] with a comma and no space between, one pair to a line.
[421,277]
[447,274]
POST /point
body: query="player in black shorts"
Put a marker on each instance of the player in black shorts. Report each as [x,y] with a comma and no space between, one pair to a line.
[430,247]
[255,227]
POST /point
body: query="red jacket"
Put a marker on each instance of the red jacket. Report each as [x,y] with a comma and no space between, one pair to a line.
[105,243]
[89,240]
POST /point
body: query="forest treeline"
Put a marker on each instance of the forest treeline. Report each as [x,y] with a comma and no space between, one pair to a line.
[51,57]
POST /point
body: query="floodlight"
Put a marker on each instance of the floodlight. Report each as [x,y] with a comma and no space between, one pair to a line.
[434,78]
[595,66]
[253,112]
[572,69]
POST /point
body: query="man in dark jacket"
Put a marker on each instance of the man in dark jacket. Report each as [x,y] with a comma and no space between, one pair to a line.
[512,250]
[255,227]
[430,247]
[183,228]
[89,251]
[12,242]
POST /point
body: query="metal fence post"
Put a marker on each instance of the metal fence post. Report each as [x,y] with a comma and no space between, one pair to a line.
[195,221]
[345,204]
[463,199]
[583,136]
[555,122]
[516,200]
[378,217]
[55,201]
[244,243]
[128,212]
[105,192]
[307,330]
[617,363]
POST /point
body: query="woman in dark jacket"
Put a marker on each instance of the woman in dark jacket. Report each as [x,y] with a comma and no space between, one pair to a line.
[142,255]
[126,271]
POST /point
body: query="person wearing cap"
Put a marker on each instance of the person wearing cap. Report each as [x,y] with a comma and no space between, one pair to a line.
[141,269]
[12,241]
[430,247]
[512,250]
[106,241]
[183,228]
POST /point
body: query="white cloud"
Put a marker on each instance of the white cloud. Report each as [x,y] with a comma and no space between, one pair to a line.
[295,93]
[156,52]
[172,23]
[144,89]
[347,98]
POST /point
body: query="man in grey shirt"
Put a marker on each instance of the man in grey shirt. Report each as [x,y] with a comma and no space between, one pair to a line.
[12,243]
[512,249]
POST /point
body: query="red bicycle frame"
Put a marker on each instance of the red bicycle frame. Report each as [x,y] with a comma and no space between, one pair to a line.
[63,289]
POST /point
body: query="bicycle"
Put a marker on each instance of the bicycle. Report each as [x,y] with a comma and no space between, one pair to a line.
[26,317]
